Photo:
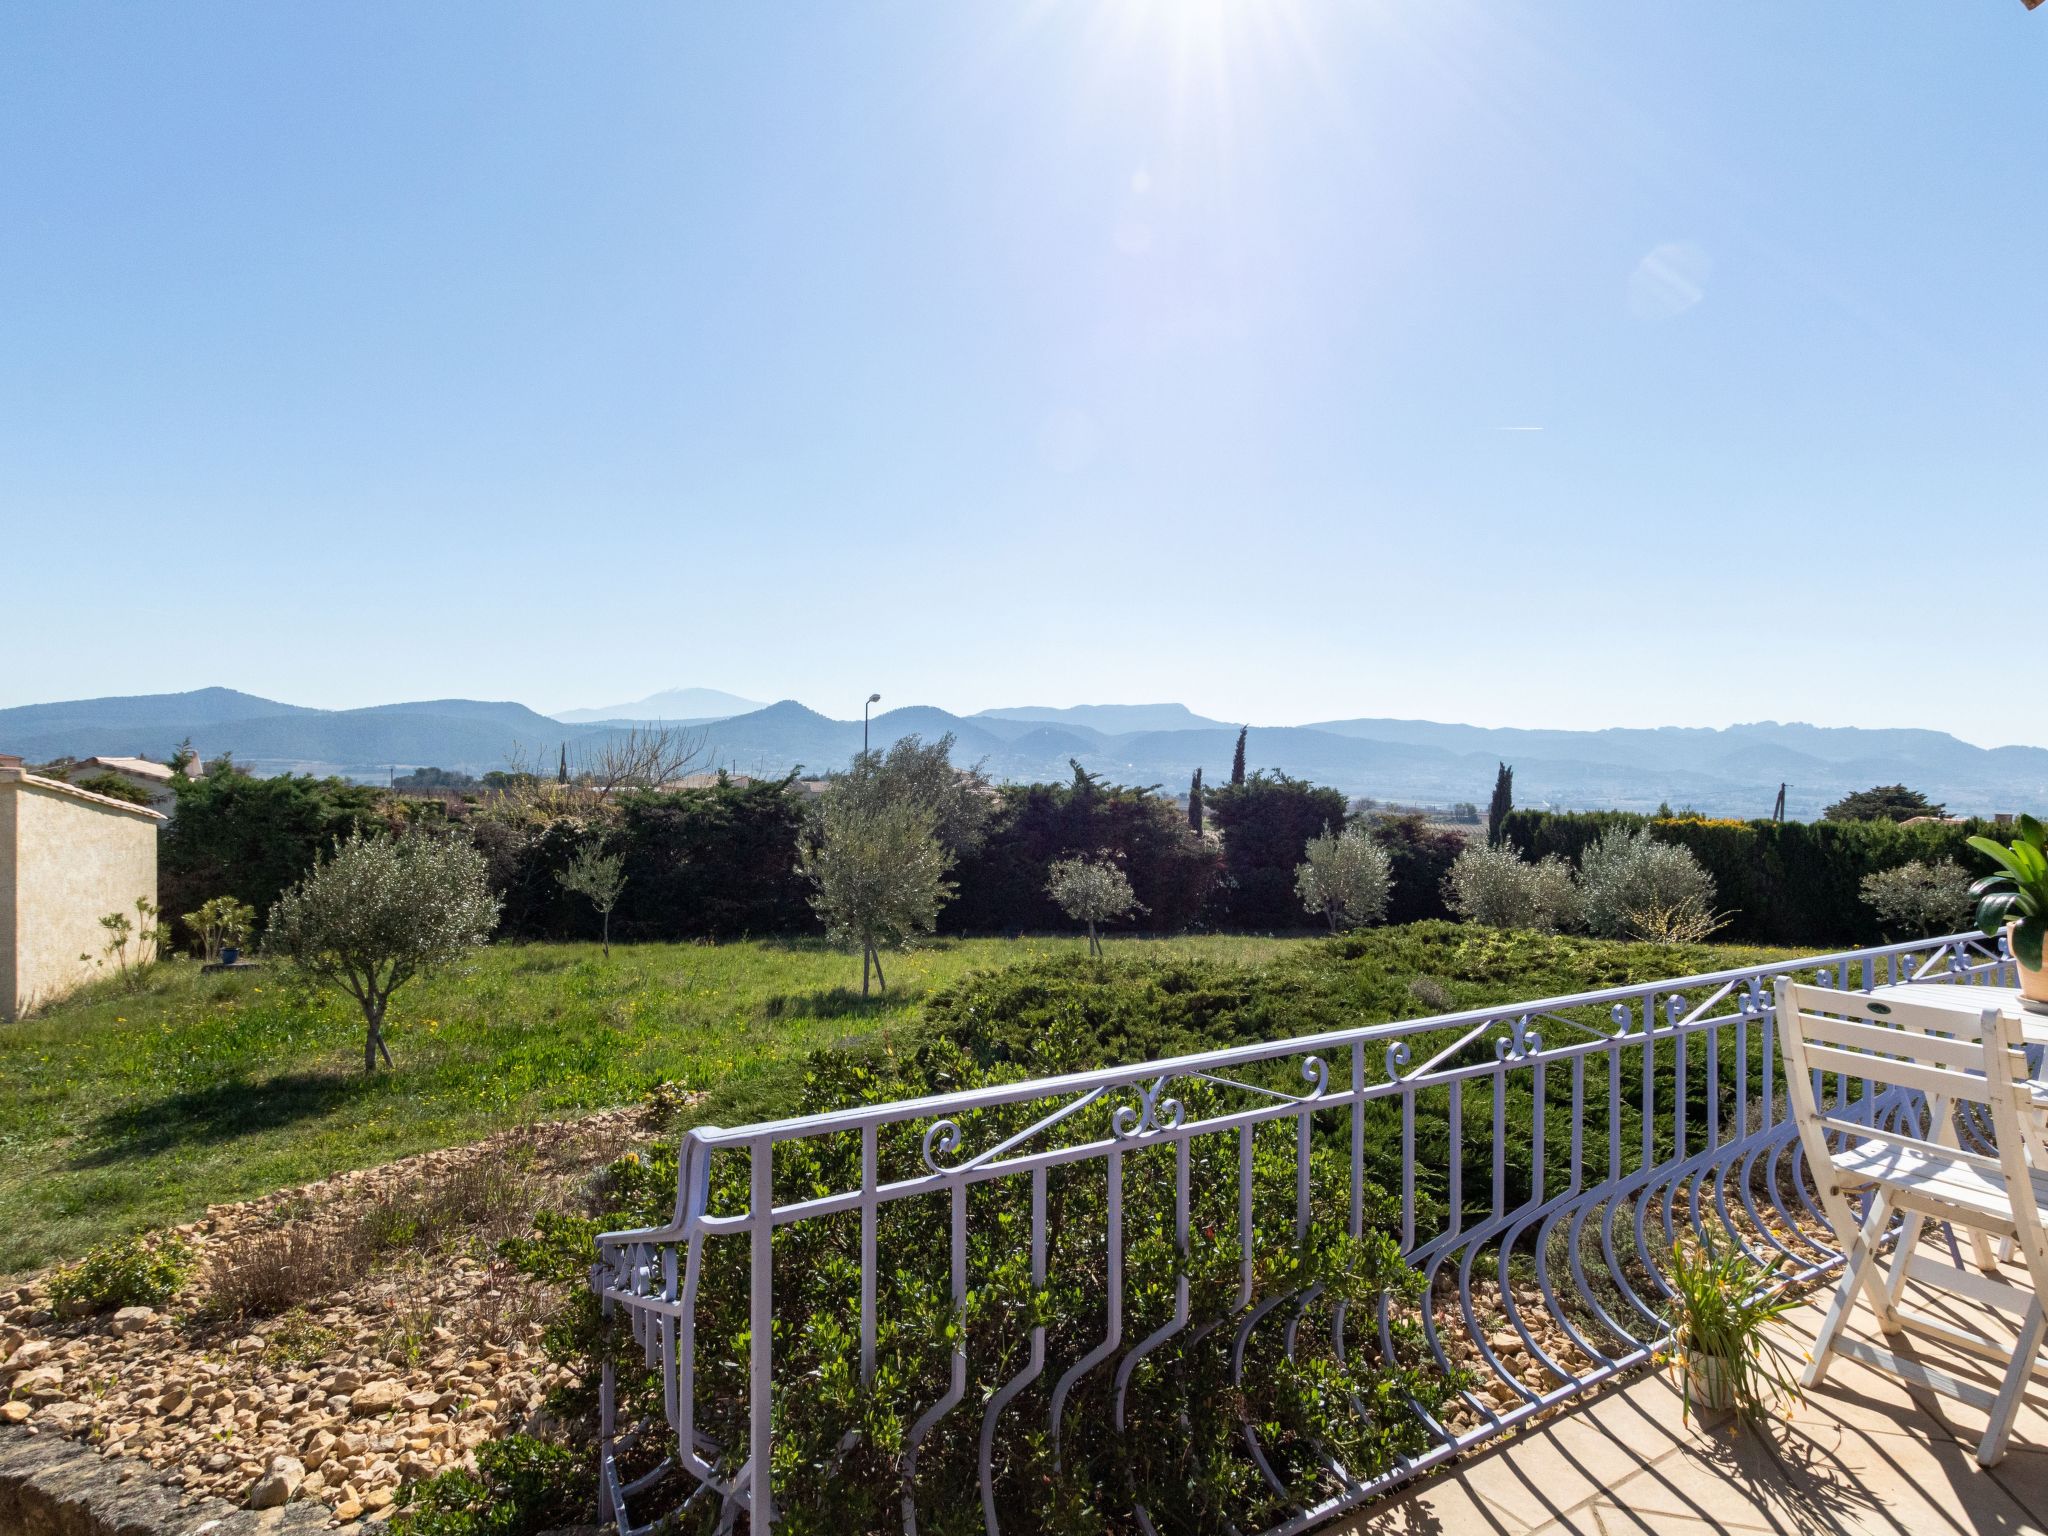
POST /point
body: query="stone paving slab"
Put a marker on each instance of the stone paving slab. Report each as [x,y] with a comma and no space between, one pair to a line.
[1868,1454]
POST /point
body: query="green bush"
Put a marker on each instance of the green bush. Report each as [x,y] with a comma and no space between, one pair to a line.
[522,1486]
[132,1272]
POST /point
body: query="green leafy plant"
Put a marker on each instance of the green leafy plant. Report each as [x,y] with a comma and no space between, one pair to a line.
[131,1272]
[1721,1305]
[522,1485]
[221,923]
[2018,893]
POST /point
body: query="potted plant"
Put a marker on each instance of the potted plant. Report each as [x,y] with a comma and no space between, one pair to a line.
[2015,899]
[1720,1306]
[223,926]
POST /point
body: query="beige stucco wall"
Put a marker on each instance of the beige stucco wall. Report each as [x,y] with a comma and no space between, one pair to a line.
[67,858]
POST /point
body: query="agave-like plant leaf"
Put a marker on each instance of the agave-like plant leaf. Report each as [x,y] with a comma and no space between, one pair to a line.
[1996,910]
[2032,830]
[1997,852]
[2026,942]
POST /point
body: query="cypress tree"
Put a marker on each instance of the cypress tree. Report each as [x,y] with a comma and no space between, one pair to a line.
[1195,803]
[1237,759]
[1498,807]
[562,771]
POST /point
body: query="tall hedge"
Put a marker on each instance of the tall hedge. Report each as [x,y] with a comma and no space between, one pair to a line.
[1782,882]
[717,862]
[1171,867]
[1266,823]
[238,835]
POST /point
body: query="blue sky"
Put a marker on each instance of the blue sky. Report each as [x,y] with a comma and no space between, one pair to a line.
[1027,353]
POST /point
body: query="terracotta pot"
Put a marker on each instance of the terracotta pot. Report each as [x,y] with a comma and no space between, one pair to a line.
[1709,1384]
[2033,978]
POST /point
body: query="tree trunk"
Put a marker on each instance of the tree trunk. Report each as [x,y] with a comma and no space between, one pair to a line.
[881,981]
[607,935]
[1094,944]
[867,954]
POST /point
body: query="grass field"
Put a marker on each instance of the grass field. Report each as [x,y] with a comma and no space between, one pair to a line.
[123,1110]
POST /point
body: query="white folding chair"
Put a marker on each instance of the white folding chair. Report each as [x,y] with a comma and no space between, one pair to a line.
[1911,1166]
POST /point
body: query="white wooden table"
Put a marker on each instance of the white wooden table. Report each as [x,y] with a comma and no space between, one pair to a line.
[1961,997]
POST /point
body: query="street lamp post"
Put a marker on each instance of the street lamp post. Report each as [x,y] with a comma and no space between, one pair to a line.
[873,699]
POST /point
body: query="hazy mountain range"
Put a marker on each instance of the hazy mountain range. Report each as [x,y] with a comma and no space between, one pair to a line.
[1732,771]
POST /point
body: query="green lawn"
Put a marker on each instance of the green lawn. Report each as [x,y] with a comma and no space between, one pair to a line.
[124,1110]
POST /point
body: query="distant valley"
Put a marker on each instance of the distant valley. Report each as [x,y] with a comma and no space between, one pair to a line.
[1734,771]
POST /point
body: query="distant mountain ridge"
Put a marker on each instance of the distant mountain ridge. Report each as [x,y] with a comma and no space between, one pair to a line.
[1733,771]
[669,704]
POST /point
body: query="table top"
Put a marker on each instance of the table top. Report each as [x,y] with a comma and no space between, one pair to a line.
[1973,1000]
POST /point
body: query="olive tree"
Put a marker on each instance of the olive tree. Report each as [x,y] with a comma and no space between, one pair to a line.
[1496,886]
[379,911]
[1091,891]
[921,773]
[1920,898]
[1346,877]
[1635,887]
[879,870]
[599,878]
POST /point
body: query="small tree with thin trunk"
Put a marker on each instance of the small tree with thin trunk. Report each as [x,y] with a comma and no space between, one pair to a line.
[1346,876]
[1497,808]
[1091,891]
[879,870]
[379,911]
[598,877]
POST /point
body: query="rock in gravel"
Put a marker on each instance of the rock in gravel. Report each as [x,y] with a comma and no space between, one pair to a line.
[377,1396]
[16,1412]
[132,1319]
[29,1353]
[277,1485]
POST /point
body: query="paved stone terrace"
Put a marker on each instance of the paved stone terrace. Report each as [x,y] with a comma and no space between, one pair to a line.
[1866,1454]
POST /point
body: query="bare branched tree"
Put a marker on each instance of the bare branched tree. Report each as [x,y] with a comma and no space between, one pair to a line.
[597,770]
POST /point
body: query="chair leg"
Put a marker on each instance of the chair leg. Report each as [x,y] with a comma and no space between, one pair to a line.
[1857,1275]
[1909,1237]
[2007,1407]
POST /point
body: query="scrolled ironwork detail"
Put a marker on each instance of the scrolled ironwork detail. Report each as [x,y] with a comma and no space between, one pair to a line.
[941,1139]
[1518,1042]
[1156,1110]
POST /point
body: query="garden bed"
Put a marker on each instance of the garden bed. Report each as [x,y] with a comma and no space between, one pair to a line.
[362,1327]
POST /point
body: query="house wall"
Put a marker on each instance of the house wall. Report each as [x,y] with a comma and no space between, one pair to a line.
[67,858]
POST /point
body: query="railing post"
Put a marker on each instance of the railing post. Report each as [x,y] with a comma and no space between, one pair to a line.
[761,1391]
